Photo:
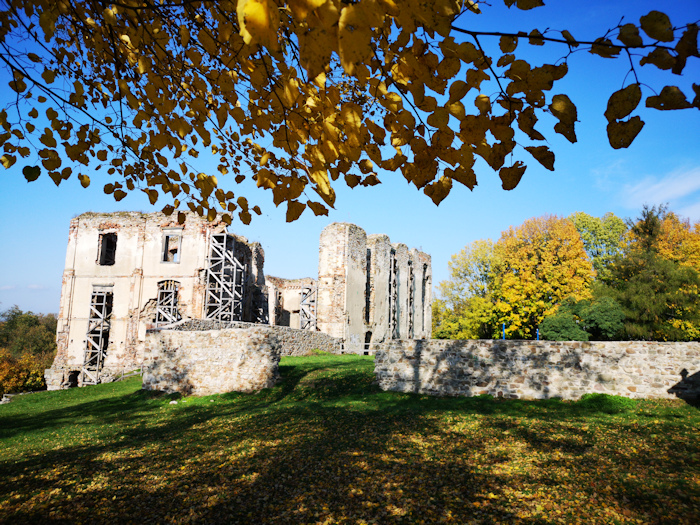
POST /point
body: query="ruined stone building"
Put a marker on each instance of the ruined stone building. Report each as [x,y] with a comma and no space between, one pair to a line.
[130,272]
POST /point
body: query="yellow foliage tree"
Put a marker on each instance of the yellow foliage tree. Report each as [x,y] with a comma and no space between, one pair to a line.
[679,241]
[295,94]
[537,266]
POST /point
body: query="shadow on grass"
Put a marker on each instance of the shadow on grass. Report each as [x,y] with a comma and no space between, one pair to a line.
[325,444]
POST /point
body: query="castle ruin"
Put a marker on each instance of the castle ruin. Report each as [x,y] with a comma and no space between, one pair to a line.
[130,273]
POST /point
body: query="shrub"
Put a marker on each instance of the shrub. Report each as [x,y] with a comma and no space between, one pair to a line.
[24,373]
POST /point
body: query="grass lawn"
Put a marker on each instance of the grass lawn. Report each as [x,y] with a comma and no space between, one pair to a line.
[327,446]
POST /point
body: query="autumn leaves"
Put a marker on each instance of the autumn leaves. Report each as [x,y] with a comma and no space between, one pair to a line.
[295,95]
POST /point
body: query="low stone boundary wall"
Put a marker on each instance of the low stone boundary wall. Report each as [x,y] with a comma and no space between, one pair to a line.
[211,361]
[540,369]
[292,341]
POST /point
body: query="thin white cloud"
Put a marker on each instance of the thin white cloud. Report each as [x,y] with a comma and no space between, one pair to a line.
[37,287]
[7,287]
[691,211]
[675,188]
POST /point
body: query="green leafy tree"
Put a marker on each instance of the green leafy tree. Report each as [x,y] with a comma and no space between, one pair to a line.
[601,319]
[659,296]
[302,95]
[465,309]
[26,332]
[603,239]
[562,326]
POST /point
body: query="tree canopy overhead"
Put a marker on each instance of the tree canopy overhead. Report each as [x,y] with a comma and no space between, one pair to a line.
[300,95]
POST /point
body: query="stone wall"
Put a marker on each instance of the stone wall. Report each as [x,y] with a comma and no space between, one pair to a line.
[212,361]
[540,369]
[291,341]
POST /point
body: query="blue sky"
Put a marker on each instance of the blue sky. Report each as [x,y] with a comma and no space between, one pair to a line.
[662,166]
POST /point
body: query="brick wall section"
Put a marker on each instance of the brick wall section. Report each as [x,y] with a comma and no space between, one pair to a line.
[212,361]
[540,369]
[291,341]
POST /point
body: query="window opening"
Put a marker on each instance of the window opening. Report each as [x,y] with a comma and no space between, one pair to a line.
[97,337]
[411,287]
[393,295]
[368,287]
[167,305]
[171,247]
[225,280]
[422,301]
[107,249]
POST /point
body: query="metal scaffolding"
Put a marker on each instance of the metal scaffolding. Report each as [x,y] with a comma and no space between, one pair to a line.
[411,290]
[307,311]
[393,296]
[97,337]
[225,280]
[166,308]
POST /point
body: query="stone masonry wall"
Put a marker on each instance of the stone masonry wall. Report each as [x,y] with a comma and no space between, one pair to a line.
[211,362]
[292,341]
[540,369]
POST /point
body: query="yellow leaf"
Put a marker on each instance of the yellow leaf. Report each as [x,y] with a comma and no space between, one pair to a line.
[623,102]
[439,189]
[483,103]
[661,58]
[152,194]
[456,109]
[670,98]
[440,118]
[510,177]
[8,160]
[259,20]
[266,179]
[629,35]
[317,208]
[18,85]
[527,121]
[622,133]
[686,47]
[569,38]
[354,37]
[463,174]
[543,156]
[184,35]
[565,110]
[508,43]
[47,139]
[536,38]
[294,210]
[658,26]
[48,76]
[85,181]
[604,47]
[302,8]
[525,5]
[468,53]
[323,187]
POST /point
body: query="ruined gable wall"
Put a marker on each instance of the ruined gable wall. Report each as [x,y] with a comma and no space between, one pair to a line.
[285,299]
[134,280]
[379,248]
[354,287]
[539,369]
[401,254]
